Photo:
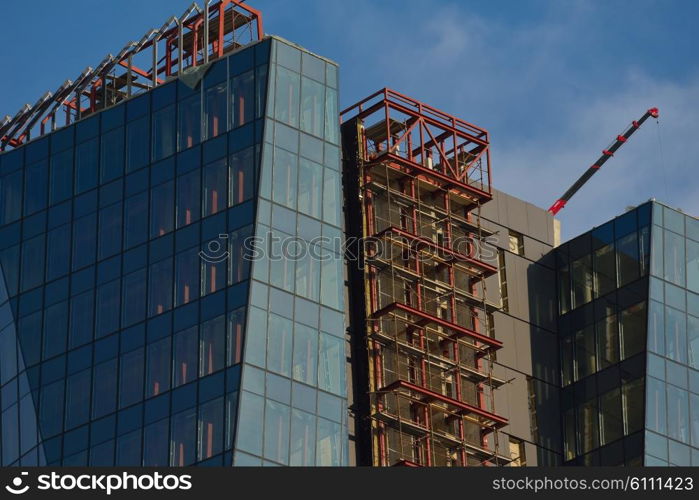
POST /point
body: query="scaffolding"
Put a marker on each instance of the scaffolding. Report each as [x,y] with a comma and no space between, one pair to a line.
[180,45]
[421,177]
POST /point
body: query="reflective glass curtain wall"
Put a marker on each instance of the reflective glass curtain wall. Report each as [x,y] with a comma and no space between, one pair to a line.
[121,243]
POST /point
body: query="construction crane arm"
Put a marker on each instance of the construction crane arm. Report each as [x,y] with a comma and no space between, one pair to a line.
[606,155]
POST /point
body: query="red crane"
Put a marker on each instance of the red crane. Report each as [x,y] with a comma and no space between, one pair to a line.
[606,155]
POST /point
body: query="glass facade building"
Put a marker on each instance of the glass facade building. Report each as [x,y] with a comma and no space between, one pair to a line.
[138,326]
[629,340]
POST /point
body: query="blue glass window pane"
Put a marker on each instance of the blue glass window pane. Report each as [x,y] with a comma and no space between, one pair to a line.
[693,342]
[656,327]
[11,197]
[256,338]
[158,367]
[110,228]
[678,413]
[242,99]
[104,389]
[285,174]
[674,221]
[313,67]
[310,188]
[162,209]
[155,444]
[210,429]
[331,364]
[164,133]
[51,404]
[216,109]
[332,117]
[303,442]
[656,418]
[276,433]
[84,241]
[675,335]
[136,220]
[242,165]
[131,378]
[287,97]
[55,329]
[236,332]
[332,281]
[81,314]
[183,433]
[185,348]
[261,73]
[33,262]
[112,155]
[332,198]
[137,144]
[78,398]
[188,198]
[212,346]
[305,359]
[329,449]
[30,339]
[239,255]
[86,166]
[35,188]
[58,254]
[215,187]
[128,449]
[312,107]
[674,258]
[189,122]
[61,177]
[692,266]
[108,307]
[187,266]
[288,56]
[134,298]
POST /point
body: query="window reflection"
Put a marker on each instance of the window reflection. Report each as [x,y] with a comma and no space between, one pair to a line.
[310,188]
[164,133]
[236,330]
[312,107]
[215,187]
[185,356]
[216,108]
[158,367]
[242,176]
[187,276]
[284,178]
[287,97]
[276,433]
[183,438]
[162,202]
[242,98]
[279,334]
[137,144]
[160,283]
[210,429]
[188,198]
[112,155]
[189,122]
[86,166]
[212,346]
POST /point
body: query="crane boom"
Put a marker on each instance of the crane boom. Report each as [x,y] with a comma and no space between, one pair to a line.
[606,155]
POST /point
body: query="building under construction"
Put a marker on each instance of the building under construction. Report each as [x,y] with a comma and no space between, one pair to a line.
[137,329]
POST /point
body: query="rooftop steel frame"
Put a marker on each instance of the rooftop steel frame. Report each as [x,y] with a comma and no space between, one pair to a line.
[197,37]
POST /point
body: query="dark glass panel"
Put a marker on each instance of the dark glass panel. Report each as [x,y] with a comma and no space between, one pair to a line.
[188,198]
[242,99]
[164,133]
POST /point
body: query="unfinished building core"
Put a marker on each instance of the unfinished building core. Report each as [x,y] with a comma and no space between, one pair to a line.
[423,344]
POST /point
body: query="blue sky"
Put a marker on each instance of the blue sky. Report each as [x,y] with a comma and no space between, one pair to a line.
[553,81]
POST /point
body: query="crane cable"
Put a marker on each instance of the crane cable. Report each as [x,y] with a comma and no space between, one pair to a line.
[661,160]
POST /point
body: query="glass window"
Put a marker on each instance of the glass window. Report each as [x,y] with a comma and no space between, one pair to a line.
[185,356]
[656,327]
[112,155]
[331,364]
[188,198]
[84,241]
[644,245]
[50,404]
[108,307]
[633,330]
[276,433]
[86,166]
[303,442]
[694,419]
[78,399]
[11,197]
[136,220]
[215,187]
[187,266]
[133,298]
[128,449]
[564,289]
[693,342]
[674,258]
[216,109]
[305,360]
[312,107]
[677,414]
[164,133]
[61,187]
[261,89]
[213,276]
[58,253]
[110,227]
[131,378]
[212,346]
[628,259]
[632,403]
[280,333]
[183,442]
[585,358]
[310,188]
[657,251]
[588,426]
[158,367]
[284,178]
[608,341]
[693,265]
[281,265]
[287,97]
[104,388]
[567,366]
[329,449]
[190,122]
[162,204]
[604,270]
[332,282]
[332,121]
[236,330]
[242,176]
[674,221]
[160,288]
[611,423]
[210,429]
[656,408]
[35,188]
[250,432]
[137,144]
[243,98]
[675,335]
[332,198]
[81,315]
[155,444]
[55,329]
[239,258]
[308,276]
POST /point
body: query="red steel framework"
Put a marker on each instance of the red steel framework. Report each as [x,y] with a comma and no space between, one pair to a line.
[421,176]
[195,38]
